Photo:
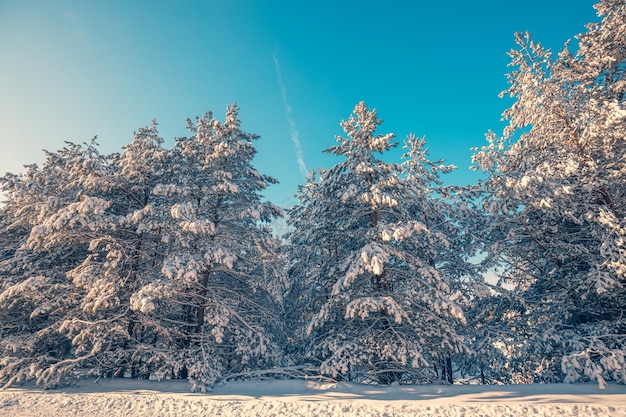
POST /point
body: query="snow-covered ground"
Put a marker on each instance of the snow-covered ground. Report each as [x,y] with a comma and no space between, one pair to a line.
[130,398]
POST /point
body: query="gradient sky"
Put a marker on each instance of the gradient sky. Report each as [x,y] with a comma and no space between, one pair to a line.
[70,70]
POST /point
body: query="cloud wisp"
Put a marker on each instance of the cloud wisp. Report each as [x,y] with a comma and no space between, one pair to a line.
[293,131]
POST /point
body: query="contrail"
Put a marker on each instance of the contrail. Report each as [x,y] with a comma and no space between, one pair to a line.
[292,123]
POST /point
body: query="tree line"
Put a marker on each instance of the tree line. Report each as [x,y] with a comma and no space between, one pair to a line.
[160,262]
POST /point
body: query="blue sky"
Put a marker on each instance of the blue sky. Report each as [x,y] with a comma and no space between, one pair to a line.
[70,70]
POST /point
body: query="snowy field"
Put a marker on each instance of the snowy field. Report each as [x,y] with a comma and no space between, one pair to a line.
[131,398]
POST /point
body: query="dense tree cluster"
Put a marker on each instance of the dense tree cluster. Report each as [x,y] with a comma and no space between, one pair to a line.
[161,263]
[149,263]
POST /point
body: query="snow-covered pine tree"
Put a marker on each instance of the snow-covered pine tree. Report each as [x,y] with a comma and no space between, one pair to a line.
[222,286]
[449,212]
[97,222]
[124,253]
[366,249]
[36,296]
[556,196]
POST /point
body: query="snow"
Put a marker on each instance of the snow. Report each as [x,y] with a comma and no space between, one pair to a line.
[127,397]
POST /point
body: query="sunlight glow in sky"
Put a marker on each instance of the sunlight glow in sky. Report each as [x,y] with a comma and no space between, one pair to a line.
[70,70]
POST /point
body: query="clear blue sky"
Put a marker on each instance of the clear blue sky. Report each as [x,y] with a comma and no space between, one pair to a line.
[70,70]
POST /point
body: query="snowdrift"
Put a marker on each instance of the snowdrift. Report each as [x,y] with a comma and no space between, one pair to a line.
[125,397]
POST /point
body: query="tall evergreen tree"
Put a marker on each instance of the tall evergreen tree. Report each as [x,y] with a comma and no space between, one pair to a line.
[366,259]
[44,210]
[556,197]
[124,248]
[222,285]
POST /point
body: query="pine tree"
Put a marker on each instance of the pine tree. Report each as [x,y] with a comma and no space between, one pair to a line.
[366,262]
[124,249]
[556,197]
[222,286]
[43,209]
[447,211]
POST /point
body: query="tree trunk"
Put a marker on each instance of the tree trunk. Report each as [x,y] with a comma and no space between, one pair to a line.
[202,300]
[448,368]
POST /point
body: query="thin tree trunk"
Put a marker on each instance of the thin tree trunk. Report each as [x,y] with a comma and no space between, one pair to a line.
[202,301]
[449,370]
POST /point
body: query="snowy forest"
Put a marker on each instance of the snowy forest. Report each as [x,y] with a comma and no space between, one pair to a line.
[163,263]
